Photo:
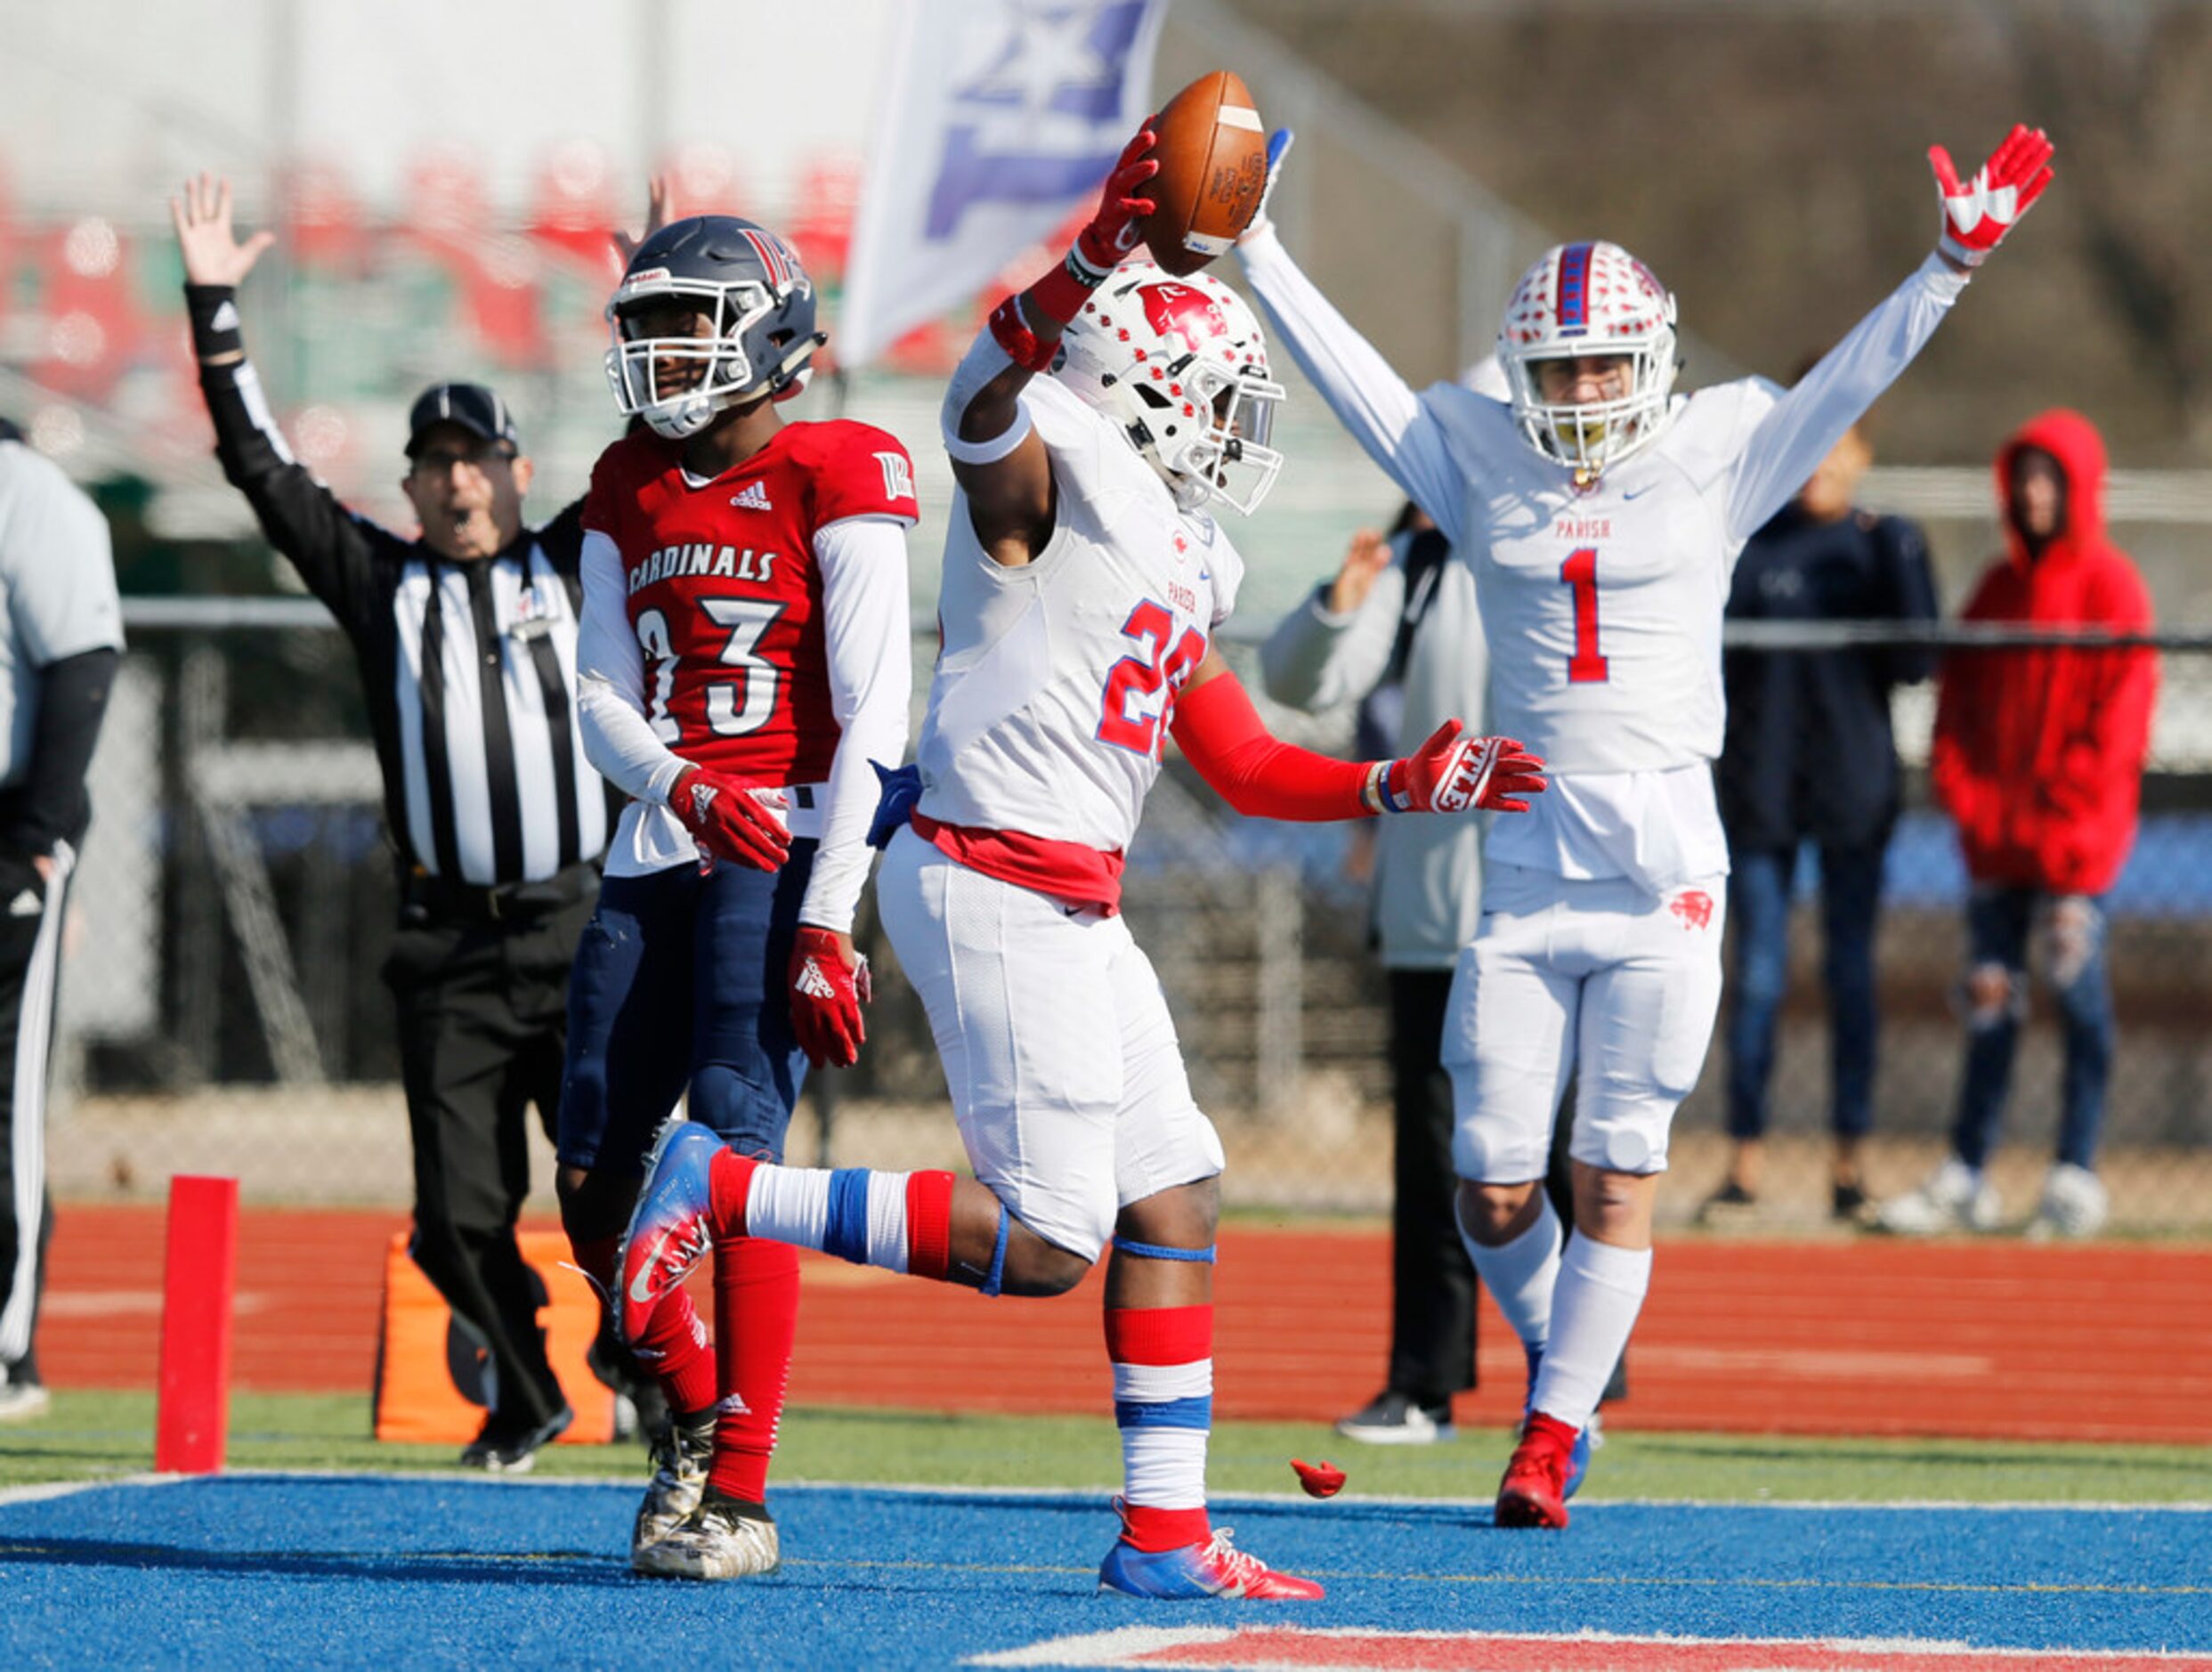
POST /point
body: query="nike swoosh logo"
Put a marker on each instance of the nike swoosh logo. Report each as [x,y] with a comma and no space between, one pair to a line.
[1636,493]
[641,1286]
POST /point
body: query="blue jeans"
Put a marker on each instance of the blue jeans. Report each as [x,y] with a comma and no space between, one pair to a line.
[681,981]
[1758,910]
[1997,924]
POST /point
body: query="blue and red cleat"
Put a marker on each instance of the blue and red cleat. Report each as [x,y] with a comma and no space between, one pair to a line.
[1191,1572]
[670,1229]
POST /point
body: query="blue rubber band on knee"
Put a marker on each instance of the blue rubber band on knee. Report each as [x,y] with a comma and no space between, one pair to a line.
[997,1278]
[1152,1251]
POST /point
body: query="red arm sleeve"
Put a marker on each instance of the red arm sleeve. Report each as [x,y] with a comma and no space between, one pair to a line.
[1256,774]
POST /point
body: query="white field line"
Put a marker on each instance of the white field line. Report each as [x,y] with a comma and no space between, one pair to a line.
[1033,1494]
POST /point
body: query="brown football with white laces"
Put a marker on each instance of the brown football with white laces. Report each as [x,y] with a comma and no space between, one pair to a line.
[1213,152]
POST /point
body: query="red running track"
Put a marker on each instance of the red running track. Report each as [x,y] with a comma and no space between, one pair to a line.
[1988,1340]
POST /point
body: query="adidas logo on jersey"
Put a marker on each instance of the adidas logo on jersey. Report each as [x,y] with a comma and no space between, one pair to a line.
[752,497]
[813,983]
[26,905]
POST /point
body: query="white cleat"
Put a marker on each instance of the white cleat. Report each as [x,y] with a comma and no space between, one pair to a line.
[2074,1204]
[679,1479]
[715,1543]
[1955,1198]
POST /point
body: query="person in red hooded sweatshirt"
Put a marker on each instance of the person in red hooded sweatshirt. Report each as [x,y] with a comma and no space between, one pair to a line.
[2038,756]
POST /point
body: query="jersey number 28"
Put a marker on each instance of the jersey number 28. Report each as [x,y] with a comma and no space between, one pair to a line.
[733,706]
[1158,668]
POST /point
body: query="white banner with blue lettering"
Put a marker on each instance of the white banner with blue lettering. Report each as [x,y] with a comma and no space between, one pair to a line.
[1000,117]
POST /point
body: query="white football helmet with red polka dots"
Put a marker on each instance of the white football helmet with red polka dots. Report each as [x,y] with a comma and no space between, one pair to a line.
[1587,299]
[1180,367]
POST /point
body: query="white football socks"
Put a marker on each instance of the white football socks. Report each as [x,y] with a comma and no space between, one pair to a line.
[1519,1274]
[1600,1291]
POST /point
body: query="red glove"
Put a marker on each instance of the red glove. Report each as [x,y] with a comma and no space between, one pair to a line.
[1456,771]
[1109,235]
[829,983]
[1978,213]
[728,820]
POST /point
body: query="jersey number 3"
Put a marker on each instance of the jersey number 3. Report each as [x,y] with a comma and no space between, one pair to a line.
[733,706]
[1580,572]
[1158,668]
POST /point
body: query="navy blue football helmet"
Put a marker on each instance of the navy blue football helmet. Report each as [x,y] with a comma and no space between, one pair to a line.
[752,334]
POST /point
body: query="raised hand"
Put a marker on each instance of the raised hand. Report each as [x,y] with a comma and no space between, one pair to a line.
[1978,213]
[1279,143]
[213,255]
[1111,232]
[656,217]
[729,821]
[1368,556]
[1456,771]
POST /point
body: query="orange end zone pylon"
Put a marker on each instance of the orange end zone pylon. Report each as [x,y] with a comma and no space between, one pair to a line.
[198,1275]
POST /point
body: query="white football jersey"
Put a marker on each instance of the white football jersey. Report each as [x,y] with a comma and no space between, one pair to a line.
[1602,606]
[1055,681]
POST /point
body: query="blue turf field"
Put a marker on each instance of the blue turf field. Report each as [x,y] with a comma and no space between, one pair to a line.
[343,1570]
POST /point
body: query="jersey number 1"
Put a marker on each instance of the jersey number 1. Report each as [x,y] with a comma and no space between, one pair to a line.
[1580,572]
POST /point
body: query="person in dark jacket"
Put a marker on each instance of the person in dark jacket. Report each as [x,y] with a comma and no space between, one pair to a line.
[465,637]
[2038,756]
[1808,757]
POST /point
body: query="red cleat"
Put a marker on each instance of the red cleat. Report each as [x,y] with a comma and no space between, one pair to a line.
[1534,1492]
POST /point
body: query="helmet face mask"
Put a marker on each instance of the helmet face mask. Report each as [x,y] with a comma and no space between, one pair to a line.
[1180,367]
[1585,301]
[750,308]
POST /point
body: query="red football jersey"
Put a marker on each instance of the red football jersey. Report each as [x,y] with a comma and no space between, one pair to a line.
[724,592]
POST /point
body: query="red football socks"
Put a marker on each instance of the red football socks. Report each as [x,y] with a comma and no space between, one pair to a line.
[755,1316]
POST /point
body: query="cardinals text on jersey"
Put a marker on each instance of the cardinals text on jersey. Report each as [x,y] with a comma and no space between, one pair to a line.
[723,592]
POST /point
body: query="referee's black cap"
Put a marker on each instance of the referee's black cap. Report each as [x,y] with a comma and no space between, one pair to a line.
[471,406]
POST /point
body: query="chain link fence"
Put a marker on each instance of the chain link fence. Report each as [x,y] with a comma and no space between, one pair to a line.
[223,1011]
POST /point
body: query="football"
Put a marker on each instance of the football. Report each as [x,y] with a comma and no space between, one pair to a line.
[1213,165]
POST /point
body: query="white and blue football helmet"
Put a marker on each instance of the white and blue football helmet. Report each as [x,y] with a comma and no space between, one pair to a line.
[759,305]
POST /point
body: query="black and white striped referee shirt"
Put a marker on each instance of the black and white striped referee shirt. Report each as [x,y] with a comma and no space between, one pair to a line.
[469,667]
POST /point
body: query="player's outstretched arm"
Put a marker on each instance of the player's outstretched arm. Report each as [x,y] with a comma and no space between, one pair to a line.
[302,518]
[1259,775]
[1797,433]
[998,460]
[1371,401]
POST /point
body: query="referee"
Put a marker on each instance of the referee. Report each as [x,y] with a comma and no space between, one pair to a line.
[60,632]
[467,642]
